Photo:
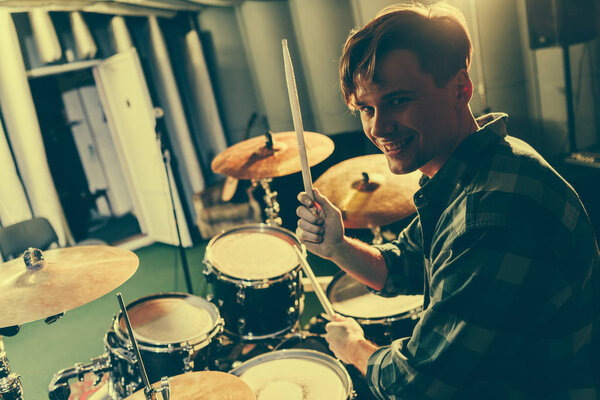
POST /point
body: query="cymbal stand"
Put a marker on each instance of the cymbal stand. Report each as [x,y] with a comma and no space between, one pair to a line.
[149,391]
[272,206]
[377,236]
[10,383]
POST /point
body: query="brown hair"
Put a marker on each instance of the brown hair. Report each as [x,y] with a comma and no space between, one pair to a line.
[437,34]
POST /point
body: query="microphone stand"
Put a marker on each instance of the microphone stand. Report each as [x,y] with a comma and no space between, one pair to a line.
[184,261]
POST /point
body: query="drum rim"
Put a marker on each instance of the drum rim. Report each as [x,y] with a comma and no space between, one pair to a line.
[369,320]
[211,267]
[145,343]
[306,354]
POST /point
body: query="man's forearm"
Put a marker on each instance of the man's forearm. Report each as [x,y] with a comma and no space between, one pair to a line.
[362,261]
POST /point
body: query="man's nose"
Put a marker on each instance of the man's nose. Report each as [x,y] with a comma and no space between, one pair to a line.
[381,124]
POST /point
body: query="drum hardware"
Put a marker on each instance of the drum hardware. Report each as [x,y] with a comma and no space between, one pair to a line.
[43,285]
[255,279]
[205,385]
[176,333]
[301,370]
[367,193]
[59,389]
[11,388]
[272,206]
[149,391]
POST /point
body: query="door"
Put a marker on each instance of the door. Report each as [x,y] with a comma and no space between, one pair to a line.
[130,115]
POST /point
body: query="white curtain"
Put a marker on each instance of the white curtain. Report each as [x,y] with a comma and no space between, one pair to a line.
[13,202]
[24,131]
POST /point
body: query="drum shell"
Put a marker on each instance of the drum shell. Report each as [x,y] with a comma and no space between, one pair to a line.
[303,354]
[256,309]
[269,308]
[381,330]
[160,359]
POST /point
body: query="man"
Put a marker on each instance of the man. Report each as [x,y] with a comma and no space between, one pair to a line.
[501,244]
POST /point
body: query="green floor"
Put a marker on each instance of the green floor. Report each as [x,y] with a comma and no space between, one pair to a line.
[40,350]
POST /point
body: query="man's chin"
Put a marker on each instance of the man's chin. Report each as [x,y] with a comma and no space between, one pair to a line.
[400,168]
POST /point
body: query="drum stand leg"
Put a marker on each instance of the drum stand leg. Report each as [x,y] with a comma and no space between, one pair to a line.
[270,197]
[10,383]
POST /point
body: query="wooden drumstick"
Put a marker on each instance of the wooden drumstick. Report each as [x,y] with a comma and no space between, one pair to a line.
[297,118]
[313,280]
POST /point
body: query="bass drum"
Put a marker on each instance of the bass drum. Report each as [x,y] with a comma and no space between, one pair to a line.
[383,319]
[174,332]
[254,272]
[296,375]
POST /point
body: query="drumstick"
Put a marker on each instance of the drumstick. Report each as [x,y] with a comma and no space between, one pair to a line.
[318,290]
[297,118]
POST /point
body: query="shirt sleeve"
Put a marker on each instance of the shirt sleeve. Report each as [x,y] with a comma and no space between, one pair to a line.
[404,260]
[476,286]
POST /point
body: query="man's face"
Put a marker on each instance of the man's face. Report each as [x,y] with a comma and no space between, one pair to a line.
[412,121]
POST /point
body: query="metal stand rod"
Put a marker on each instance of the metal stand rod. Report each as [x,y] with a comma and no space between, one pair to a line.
[569,99]
[184,260]
[10,383]
[272,206]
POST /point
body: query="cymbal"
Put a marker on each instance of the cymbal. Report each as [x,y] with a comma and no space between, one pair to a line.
[253,159]
[204,385]
[71,277]
[378,198]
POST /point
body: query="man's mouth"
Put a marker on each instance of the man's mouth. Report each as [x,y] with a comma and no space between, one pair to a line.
[394,147]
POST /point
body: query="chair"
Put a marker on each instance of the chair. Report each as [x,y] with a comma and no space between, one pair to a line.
[36,232]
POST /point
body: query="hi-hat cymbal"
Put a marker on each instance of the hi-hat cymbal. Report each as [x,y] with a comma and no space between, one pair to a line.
[368,193]
[71,277]
[254,159]
[204,385]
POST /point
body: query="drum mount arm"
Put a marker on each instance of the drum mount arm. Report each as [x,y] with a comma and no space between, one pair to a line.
[59,388]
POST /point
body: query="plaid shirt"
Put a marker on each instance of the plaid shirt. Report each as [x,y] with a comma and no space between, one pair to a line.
[512,291]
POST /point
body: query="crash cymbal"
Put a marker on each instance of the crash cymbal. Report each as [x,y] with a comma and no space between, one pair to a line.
[368,193]
[71,277]
[204,385]
[256,159]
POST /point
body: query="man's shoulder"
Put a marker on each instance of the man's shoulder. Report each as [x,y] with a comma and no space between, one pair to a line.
[514,183]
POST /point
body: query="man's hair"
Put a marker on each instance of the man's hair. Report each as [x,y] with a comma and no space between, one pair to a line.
[437,34]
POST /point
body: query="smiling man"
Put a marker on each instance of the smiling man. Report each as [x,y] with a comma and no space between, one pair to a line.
[501,247]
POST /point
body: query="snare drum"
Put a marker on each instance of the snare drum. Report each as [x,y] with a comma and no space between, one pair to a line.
[174,332]
[383,319]
[296,375]
[255,276]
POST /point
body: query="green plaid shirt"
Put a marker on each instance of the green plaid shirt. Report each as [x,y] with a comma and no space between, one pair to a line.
[512,291]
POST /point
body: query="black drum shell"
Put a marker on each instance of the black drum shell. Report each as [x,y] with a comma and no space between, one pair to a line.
[159,359]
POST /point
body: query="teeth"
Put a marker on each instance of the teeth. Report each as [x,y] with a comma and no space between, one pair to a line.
[396,145]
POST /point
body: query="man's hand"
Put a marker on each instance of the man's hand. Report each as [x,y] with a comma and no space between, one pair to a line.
[347,342]
[320,227]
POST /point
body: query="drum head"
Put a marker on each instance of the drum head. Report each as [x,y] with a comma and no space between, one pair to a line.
[254,252]
[171,318]
[296,375]
[351,298]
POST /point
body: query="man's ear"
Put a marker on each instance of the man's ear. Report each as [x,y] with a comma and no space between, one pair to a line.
[464,88]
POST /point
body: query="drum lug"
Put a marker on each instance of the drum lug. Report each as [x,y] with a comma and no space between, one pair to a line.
[241,325]
[241,294]
[292,285]
[188,363]
[208,275]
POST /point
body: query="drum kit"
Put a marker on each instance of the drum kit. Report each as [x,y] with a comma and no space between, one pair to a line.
[233,343]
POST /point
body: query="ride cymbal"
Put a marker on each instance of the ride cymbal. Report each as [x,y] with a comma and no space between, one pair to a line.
[258,157]
[204,385]
[69,278]
[368,193]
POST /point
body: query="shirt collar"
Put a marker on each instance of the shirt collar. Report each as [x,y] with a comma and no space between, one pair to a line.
[448,179]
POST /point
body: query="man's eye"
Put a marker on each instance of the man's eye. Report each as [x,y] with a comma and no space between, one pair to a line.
[366,110]
[399,101]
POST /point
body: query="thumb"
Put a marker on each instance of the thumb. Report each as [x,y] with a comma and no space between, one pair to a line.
[324,201]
